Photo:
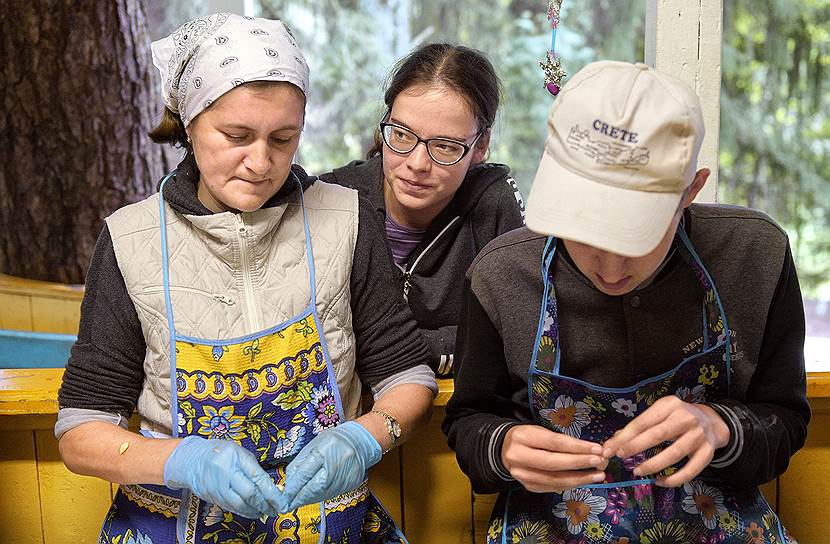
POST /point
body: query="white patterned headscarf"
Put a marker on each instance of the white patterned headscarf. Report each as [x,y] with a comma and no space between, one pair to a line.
[207,57]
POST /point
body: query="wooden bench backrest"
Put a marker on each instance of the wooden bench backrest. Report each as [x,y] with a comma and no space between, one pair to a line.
[40,306]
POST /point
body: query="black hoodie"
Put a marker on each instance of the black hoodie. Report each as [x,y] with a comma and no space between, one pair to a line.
[486,205]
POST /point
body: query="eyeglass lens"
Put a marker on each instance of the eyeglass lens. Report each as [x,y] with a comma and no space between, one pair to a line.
[403,140]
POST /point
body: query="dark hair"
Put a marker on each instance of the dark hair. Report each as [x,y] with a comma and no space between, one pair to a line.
[170,129]
[464,70]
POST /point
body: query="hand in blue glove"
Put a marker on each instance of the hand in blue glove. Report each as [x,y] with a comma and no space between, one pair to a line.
[334,462]
[224,473]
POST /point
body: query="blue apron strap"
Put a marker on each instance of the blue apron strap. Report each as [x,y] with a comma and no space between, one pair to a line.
[547,261]
[323,529]
[550,291]
[165,268]
[547,255]
[308,251]
[505,517]
[683,249]
[711,298]
[313,309]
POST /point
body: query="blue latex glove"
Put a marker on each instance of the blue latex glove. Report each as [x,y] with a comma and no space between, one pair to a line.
[334,462]
[224,473]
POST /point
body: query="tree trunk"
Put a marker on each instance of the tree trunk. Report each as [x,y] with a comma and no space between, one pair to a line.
[79,94]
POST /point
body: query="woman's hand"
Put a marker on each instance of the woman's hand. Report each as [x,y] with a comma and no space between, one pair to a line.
[224,473]
[695,431]
[544,461]
[334,462]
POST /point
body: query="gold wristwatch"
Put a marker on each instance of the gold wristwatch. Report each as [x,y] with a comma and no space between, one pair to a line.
[392,427]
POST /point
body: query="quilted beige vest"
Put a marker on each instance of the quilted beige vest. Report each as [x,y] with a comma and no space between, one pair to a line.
[233,274]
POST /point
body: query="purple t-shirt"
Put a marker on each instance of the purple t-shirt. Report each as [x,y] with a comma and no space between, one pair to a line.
[402,240]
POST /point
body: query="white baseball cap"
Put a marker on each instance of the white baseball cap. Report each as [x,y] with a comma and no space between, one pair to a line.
[622,147]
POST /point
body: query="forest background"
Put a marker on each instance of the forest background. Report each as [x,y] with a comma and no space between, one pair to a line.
[775,99]
[64,139]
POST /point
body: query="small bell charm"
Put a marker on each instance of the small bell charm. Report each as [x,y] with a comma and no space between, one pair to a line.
[553,72]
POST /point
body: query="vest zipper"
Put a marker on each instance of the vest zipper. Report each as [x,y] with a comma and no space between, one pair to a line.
[407,275]
[217,296]
[248,284]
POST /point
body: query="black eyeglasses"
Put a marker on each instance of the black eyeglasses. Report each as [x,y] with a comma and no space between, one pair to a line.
[441,150]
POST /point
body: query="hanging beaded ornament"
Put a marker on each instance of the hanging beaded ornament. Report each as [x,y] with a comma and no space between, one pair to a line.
[551,64]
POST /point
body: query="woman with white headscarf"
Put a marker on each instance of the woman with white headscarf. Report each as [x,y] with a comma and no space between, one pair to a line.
[240,310]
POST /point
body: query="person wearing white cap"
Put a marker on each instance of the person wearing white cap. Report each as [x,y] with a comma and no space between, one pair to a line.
[241,310]
[630,365]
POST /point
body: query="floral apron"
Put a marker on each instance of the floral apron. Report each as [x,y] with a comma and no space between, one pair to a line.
[627,508]
[271,392]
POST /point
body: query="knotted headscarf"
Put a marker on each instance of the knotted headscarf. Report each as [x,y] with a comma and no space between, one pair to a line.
[206,57]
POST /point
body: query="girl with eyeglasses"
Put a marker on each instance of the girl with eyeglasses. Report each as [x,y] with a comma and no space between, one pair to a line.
[427,178]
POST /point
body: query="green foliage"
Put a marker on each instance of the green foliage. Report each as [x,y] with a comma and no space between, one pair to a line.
[775,129]
[348,46]
[352,45]
[163,16]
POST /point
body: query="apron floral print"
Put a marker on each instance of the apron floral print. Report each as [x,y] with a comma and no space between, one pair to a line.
[629,508]
[271,392]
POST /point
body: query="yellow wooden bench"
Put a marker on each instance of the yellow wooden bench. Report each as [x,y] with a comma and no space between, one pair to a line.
[420,482]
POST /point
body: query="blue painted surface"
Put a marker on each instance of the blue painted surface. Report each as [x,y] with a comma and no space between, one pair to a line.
[25,349]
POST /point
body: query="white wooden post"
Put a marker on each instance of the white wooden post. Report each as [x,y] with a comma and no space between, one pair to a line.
[683,38]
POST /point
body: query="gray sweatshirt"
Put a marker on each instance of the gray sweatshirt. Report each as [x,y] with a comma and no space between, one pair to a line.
[619,341]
